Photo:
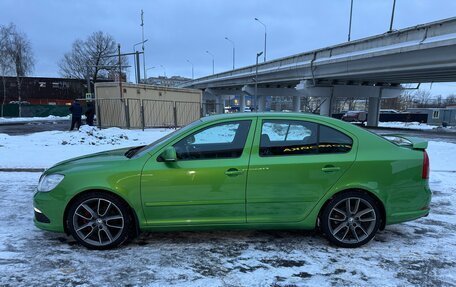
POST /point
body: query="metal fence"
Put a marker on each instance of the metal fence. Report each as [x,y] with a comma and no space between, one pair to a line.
[136,113]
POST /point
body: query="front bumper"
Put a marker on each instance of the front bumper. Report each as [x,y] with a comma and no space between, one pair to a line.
[49,212]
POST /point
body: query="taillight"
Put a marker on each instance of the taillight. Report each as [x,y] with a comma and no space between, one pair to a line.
[425,172]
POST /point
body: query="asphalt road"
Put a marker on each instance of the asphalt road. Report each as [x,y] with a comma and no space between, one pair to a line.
[34,127]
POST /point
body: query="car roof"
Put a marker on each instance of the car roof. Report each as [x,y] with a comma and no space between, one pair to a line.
[286,115]
[269,114]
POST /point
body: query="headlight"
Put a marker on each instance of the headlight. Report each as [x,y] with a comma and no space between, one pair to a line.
[49,182]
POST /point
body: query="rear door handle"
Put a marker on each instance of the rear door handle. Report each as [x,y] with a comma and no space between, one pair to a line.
[234,172]
[330,168]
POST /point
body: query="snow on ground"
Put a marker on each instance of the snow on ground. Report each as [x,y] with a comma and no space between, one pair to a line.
[55,146]
[420,253]
[410,125]
[32,119]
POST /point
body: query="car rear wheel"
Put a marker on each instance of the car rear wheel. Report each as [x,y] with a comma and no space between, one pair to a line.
[350,219]
[99,221]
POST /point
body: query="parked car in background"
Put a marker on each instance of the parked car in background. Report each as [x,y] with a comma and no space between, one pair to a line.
[241,171]
[355,116]
[389,111]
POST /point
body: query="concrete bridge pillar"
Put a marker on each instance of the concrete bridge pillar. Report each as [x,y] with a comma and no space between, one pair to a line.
[373,111]
[297,104]
[242,103]
[218,105]
[261,103]
[325,107]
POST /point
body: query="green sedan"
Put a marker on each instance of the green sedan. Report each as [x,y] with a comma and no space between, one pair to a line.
[241,171]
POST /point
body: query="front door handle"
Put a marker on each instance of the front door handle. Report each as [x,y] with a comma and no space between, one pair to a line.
[234,172]
[330,168]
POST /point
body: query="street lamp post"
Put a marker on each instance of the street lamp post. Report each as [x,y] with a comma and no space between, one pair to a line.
[256,81]
[265,36]
[137,75]
[164,70]
[143,41]
[234,49]
[193,75]
[213,60]
[392,16]
[350,23]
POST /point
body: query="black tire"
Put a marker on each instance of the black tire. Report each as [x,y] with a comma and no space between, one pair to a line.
[350,224]
[100,220]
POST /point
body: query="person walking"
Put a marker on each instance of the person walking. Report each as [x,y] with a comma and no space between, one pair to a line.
[76,113]
[90,113]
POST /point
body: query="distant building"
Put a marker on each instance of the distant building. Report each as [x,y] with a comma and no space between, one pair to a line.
[39,90]
[173,81]
[437,116]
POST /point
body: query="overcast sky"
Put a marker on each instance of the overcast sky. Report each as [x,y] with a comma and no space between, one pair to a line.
[181,30]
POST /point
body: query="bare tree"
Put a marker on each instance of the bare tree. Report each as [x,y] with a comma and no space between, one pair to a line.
[6,65]
[450,100]
[18,52]
[423,97]
[88,58]
[407,99]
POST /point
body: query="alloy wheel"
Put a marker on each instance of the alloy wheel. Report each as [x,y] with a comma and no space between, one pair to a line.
[98,221]
[352,220]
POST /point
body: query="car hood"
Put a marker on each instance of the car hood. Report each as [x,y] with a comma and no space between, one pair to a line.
[96,159]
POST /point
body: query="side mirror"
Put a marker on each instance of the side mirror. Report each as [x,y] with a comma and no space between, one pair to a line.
[169,154]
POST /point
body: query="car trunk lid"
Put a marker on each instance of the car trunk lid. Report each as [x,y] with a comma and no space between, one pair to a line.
[407,141]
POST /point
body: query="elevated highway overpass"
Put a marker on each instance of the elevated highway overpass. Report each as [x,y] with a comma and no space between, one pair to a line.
[373,68]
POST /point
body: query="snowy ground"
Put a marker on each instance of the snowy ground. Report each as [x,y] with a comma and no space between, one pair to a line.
[421,253]
[410,125]
[415,126]
[55,146]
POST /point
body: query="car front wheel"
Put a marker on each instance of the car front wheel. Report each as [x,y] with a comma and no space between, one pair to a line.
[350,219]
[99,221]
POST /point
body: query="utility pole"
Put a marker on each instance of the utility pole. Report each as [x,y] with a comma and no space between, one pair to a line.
[138,78]
[256,81]
[144,54]
[89,90]
[392,17]
[350,23]
[120,71]
[137,62]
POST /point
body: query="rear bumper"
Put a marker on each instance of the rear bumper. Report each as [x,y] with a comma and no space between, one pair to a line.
[417,208]
[408,216]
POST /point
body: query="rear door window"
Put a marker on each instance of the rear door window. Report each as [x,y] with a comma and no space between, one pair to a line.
[293,137]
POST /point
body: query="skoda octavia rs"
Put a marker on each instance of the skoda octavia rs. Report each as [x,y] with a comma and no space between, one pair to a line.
[241,171]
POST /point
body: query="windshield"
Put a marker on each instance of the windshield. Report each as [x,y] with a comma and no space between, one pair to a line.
[156,143]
